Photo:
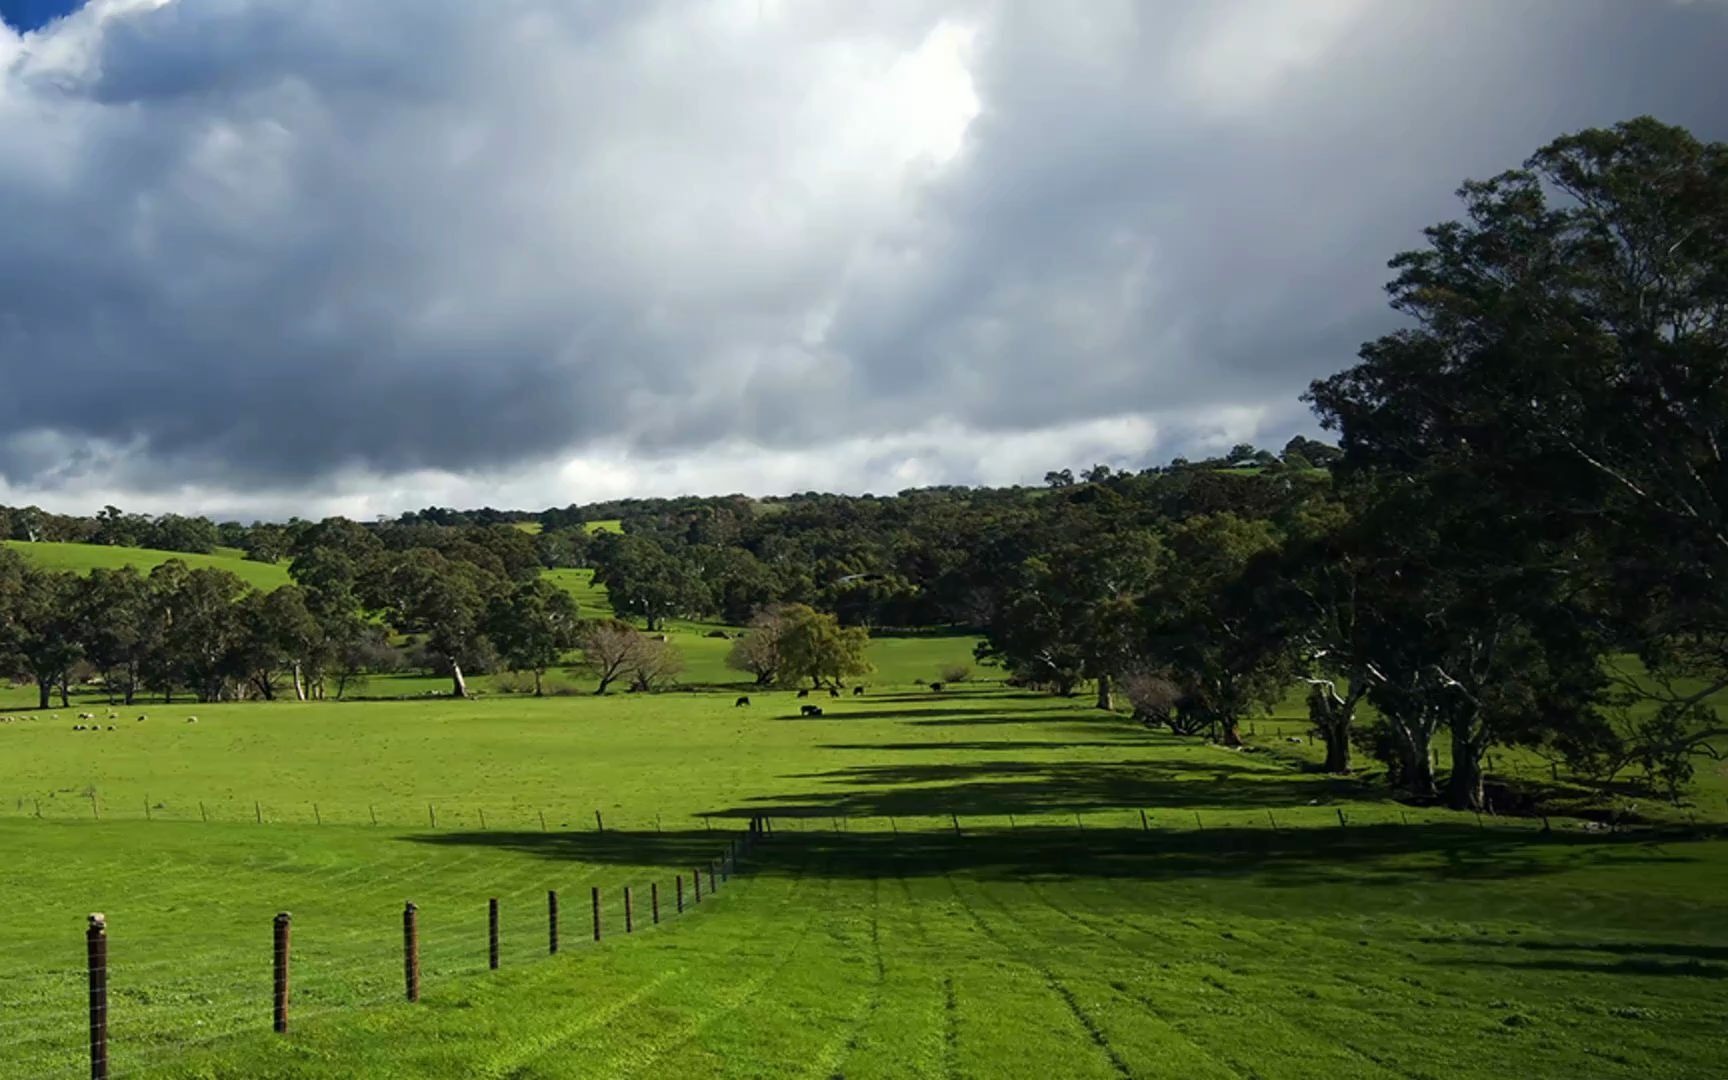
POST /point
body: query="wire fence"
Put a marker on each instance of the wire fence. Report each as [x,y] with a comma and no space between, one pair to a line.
[143,1002]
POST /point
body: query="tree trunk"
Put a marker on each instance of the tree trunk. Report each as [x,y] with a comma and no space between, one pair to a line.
[1337,747]
[537,690]
[65,698]
[1106,700]
[44,692]
[1464,786]
[458,685]
[299,683]
[1231,732]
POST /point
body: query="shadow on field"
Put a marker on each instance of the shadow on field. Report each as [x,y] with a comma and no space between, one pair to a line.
[1368,855]
[985,744]
[953,716]
[1637,958]
[997,787]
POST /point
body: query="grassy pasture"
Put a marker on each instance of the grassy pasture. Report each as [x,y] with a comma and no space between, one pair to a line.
[83,558]
[867,939]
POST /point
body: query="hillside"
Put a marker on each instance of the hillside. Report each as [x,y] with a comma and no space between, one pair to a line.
[84,558]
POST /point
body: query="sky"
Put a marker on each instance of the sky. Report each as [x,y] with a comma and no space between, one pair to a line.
[273,257]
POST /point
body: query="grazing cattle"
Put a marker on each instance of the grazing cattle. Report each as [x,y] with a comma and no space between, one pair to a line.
[191,719]
[857,691]
[833,692]
[77,727]
[803,693]
[110,727]
[142,718]
[936,686]
[1291,738]
[810,710]
[741,702]
[86,716]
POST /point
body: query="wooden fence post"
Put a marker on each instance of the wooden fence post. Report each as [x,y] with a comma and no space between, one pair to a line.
[696,876]
[492,933]
[678,887]
[280,999]
[596,913]
[654,900]
[374,812]
[956,819]
[96,949]
[712,887]
[1144,827]
[629,918]
[1341,822]
[552,921]
[411,950]
[599,823]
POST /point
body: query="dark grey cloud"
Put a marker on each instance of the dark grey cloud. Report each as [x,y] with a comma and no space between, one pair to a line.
[392,252]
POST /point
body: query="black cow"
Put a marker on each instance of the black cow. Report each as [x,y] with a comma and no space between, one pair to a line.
[740,703]
[936,686]
[857,691]
[810,710]
[833,692]
[803,693]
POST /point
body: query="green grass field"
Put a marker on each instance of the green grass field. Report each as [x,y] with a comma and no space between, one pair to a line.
[959,885]
[866,939]
[84,558]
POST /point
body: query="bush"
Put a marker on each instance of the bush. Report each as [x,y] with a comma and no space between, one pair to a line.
[956,673]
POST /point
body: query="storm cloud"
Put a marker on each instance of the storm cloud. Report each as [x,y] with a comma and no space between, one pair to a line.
[272,256]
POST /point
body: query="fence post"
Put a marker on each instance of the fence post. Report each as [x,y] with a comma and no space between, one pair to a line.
[629,919]
[552,922]
[1270,818]
[596,913]
[492,933]
[599,822]
[280,1001]
[711,886]
[374,811]
[411,950]
[1341,821]
[1144,827]
[482,820]
[1197,823]
[96,948]
[892,825]
[542,814]
[432,815]
[202,813]
[94,812]
[696,876]
[678,886]
[956,819]
[258,811]
[654,900]
[146,808]
[317,818]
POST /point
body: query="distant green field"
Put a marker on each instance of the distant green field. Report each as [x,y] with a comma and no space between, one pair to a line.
[84,558]
[1055,935]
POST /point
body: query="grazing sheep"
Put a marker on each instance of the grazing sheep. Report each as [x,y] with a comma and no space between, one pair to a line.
[832,692]
[741,702]
[803,693]
[857,691]
[809,710]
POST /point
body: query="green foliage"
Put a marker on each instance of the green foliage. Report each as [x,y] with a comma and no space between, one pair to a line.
[814,646]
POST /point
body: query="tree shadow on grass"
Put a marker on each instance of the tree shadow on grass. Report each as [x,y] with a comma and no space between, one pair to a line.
[1003,786]
[1367,856]
[1695,952]
[913,715]
[987,744]
[1694,969]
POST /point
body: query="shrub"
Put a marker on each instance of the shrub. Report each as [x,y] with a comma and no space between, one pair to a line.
[956,673]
